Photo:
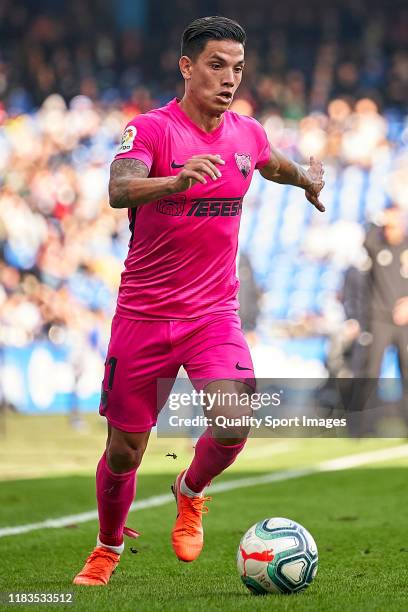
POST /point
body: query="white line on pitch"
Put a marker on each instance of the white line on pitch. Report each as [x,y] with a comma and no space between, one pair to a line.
[267,450]
[341,463]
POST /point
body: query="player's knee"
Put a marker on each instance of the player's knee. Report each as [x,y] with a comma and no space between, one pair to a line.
[123,458]
[233,434]
[232,426]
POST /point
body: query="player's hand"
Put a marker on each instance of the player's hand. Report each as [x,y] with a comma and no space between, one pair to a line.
[197,170]
[315,174]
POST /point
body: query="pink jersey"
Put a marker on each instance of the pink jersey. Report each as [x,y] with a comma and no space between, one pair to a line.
[182,250]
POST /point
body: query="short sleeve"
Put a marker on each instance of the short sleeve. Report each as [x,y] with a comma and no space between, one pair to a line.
[139,140]
[264,148]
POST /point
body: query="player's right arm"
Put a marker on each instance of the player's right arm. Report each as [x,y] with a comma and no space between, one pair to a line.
[131,186]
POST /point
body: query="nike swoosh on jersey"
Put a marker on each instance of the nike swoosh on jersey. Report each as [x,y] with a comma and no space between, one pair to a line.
[174,165]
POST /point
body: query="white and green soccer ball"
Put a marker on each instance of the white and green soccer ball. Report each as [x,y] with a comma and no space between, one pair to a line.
[277,555]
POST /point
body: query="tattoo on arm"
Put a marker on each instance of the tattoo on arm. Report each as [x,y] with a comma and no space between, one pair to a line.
[128,168]
[122,172]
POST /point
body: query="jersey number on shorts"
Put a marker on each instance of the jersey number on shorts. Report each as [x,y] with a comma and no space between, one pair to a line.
[112,365]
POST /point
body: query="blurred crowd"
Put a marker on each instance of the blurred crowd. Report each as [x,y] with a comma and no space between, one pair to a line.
[335,87]
[299,55]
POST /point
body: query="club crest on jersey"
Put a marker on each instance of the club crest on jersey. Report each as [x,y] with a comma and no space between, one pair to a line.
[243,161]
[172,207]
[128,138]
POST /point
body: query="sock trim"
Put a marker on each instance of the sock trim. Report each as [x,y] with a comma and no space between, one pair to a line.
[118,475]
[116,549]
[226,446]
[185,489]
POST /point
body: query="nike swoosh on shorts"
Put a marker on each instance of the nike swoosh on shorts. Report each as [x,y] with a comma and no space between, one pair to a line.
[240,368]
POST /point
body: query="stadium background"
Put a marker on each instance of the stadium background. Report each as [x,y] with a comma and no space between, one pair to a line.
[325,79]
[328,79]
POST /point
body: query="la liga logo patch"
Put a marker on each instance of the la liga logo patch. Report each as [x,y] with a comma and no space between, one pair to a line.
[243,161]
[128,138]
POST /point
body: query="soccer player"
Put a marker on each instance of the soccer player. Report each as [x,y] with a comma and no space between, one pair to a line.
[182,172]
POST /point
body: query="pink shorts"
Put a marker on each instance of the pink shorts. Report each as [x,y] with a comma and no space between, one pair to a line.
[210,348]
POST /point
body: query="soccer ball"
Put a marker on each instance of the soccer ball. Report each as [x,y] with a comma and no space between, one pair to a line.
[277,555]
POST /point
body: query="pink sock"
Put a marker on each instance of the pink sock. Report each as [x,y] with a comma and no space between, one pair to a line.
[210,459]
[115,494]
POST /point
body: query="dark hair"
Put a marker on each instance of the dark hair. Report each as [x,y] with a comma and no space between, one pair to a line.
[200,31]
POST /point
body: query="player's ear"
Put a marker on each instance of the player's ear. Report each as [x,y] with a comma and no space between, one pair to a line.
[185,65]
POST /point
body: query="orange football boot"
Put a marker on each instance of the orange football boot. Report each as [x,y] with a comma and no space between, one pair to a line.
[187,535]
[98,568]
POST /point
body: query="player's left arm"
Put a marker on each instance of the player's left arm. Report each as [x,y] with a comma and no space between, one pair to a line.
[281,169]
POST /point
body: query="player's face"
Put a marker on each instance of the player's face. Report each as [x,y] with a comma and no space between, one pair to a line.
[214,76]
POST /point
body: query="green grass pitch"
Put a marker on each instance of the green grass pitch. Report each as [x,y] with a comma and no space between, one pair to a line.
[358,517]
